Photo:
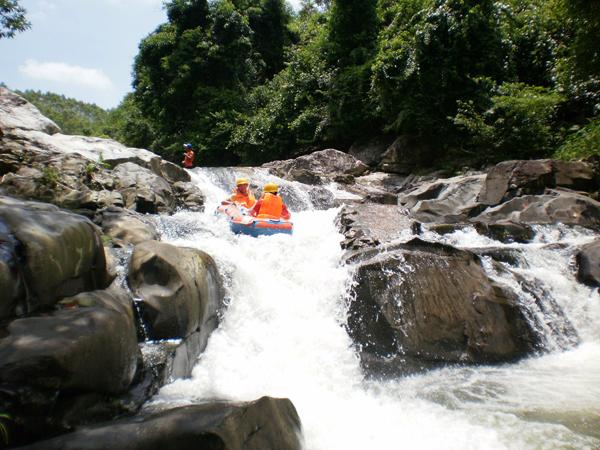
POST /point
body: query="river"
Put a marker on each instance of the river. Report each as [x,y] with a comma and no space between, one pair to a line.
[283,335]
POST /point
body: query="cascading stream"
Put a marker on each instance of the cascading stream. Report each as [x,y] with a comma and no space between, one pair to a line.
[282,335]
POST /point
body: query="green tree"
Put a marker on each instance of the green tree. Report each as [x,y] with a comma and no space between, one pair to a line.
[584,24]
[129,126]
[427,62]
[269,22]
[187,14]
[519,123]
[352,32]
[352,37]
[12,18]
[72,116]
[190,80]
[288,113]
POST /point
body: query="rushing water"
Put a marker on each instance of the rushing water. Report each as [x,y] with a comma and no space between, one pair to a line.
[282,335]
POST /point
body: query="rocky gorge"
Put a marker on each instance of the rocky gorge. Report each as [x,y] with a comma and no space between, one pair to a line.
[97,313]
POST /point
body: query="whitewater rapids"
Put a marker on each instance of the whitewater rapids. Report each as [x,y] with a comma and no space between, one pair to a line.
[282,334]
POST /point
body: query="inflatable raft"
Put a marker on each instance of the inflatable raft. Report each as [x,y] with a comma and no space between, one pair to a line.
[242,223]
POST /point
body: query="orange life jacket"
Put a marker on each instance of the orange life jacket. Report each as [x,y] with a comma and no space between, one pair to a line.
[271,207]
[246,201]
[188,159]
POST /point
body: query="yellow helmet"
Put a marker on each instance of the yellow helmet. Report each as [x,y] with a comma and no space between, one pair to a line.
[240,181]
[270,187]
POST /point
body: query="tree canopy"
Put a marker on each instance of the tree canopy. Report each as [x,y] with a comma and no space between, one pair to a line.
[248,81]
[12,18]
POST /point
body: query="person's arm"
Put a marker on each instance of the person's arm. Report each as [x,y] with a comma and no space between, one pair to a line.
[285,214]
[256,208]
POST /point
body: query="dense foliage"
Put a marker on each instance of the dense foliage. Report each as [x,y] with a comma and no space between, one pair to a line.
[472,81]
[72,116]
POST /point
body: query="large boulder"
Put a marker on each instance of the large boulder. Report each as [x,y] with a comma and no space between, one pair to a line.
[125,227]
[180,289]
[12,284]
[267,423]
[142,190]
[53,254]
[434,303]
[371,151]
[89,344]
[588,263]
[450,200]
[406,154]
[317,167]
[16,112]
[555,206]
[510,179]
[368,225]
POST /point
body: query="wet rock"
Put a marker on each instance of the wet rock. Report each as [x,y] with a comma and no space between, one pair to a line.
[368,225]
[445,228]
[510,179]
[188,196]
[58,253]
[376,187]
[434,303]
[267,423]
[180,289]
[174,358]
[124,226]
[169,171]
[88,345]
[588,263]
[506,231]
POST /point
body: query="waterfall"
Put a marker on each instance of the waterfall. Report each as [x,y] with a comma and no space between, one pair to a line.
[283,335]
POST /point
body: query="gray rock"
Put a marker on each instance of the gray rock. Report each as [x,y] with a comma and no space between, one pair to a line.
[449,200]
[556,206]
[90,345]
[267,423]
[321,165]
[368,225]
[189,196]
[588,263]
[406,154]
[59,253]
[371,151]
[434,303]
[180,289]
[125,227]
[16,112]
[11,280]
[506,231]
[511,179]
[142,190]
[576,175]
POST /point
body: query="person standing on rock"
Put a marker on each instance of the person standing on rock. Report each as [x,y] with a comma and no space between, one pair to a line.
[188,156]
[270,205]
[241,195]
